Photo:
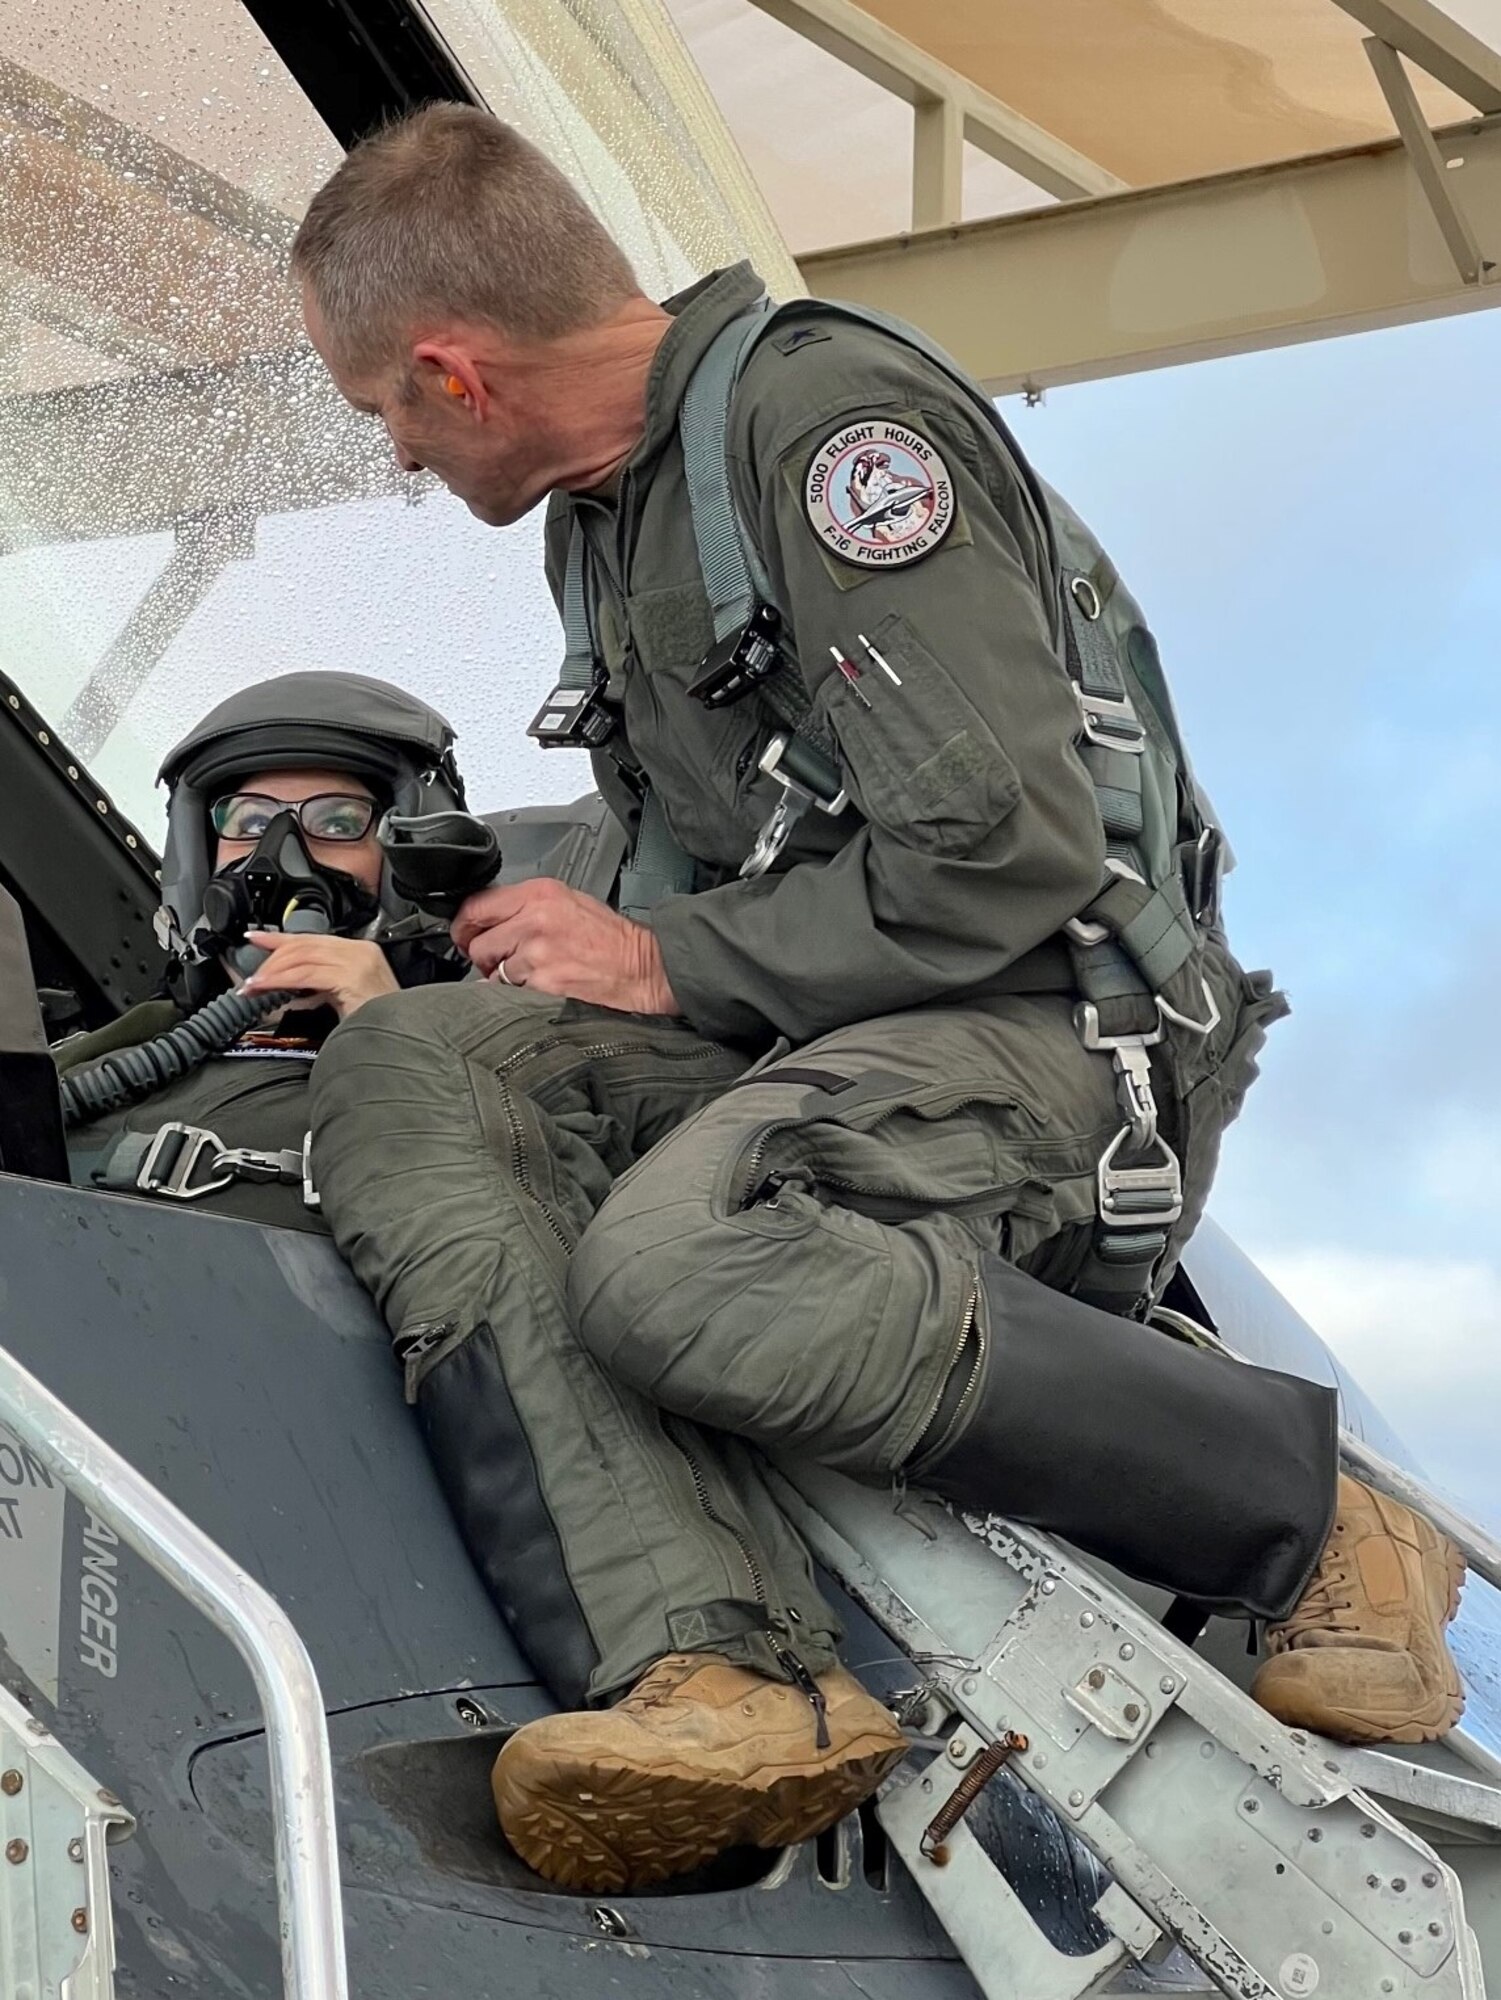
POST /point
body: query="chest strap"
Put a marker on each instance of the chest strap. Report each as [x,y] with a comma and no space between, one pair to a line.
[179,1162]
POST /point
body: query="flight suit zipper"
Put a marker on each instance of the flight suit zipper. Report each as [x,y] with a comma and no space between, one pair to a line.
[971,1331]
[595,1052]
[795,1669]
[750,1177]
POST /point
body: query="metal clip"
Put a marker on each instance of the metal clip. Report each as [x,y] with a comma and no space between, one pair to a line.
[1133,1087]
[310,1195]
[1087,1025]
[796,798]
[1111,721]
[173,1157]
[1200,1028]
[1139,1197]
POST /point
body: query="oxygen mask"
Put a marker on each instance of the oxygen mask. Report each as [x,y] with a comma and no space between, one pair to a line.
[279,886]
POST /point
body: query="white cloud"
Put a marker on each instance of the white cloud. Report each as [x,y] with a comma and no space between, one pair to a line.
[1423,1338]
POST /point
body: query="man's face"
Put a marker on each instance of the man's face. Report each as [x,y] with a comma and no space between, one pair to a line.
[492,462]
[263,793]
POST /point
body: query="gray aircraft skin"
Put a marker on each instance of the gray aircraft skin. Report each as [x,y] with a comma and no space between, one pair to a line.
[244,1371]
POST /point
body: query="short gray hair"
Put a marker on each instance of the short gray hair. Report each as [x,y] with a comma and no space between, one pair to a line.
[453,213]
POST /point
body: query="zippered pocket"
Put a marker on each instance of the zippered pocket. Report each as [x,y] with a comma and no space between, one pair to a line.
[871,1164]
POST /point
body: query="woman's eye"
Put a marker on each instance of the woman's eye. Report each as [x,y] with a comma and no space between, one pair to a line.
[248,825]
[341,825]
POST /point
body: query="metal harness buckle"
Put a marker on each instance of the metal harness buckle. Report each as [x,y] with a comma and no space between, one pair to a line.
[173,1158]
[1111,721]
[1148,1195]
[796,798]
[1142,1197]
[177,1151]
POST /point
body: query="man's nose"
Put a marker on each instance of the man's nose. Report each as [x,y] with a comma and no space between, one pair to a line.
[405,459]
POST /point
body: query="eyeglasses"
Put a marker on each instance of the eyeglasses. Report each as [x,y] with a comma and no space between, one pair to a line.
[328,816]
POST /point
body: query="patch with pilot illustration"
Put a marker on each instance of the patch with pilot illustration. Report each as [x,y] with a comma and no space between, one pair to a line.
[878,494]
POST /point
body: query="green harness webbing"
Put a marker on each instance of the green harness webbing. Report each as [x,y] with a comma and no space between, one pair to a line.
[1134,949]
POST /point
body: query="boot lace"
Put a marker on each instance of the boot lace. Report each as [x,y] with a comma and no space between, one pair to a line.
[1324,1607]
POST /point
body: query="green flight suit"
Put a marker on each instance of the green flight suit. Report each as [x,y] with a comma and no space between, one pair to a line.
[618,1262]
[246,1098]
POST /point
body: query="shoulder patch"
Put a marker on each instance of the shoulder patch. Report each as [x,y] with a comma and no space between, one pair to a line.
[878,494]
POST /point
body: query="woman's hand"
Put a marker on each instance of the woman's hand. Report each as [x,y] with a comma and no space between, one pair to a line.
[342,973]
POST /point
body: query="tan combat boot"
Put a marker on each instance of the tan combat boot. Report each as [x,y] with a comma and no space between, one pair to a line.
[1363,1655]
[699,1756]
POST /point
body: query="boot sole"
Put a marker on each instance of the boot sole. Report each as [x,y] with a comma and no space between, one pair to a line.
[605,1825]
[1444,1575]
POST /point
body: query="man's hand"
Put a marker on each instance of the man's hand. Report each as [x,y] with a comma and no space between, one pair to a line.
[342,973]
[557,941]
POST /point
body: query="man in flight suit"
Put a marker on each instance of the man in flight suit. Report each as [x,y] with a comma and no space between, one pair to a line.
[626,1240]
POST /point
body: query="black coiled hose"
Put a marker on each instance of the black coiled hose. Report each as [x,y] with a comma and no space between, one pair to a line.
[129,1075]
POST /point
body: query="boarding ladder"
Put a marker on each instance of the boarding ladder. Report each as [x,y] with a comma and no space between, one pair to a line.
[56,1928]
[1243,1857]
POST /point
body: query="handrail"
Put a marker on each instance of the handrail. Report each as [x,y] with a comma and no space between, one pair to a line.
[308,1891]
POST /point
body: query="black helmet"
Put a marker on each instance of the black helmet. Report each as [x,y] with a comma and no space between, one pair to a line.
[398,745]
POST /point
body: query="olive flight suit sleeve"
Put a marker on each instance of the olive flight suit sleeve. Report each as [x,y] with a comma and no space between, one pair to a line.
[981,834]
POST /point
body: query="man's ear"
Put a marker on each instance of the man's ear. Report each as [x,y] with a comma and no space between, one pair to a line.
[451,371]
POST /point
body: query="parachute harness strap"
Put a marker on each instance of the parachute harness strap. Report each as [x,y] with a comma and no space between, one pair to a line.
[179,1162]
[1126,947]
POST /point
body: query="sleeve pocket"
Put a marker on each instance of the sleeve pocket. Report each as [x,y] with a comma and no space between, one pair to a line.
[923,763]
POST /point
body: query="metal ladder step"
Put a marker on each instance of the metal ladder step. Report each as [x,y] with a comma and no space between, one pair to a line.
[1251,1847]
[57,1934]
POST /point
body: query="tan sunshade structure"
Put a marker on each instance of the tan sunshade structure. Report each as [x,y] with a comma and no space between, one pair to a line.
[1256,169]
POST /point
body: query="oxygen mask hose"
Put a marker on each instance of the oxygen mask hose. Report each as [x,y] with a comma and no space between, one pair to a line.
[131,1075]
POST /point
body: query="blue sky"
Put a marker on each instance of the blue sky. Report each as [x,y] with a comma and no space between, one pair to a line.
[1314,534]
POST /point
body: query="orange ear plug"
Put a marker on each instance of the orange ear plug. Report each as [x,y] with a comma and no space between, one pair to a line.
[454,386]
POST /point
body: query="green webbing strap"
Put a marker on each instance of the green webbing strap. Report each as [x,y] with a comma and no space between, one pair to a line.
[734,577]
[659,865]
[1153,925]
[734,580]
[579,661]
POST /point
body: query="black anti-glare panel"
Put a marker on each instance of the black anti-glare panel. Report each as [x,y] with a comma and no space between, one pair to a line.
[360,62]
[84,876]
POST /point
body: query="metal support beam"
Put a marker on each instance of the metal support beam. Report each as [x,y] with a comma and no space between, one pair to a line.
[937,164]
[863,43]
[1427,162]
[206,545]
[1298,250]
[1426,35]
